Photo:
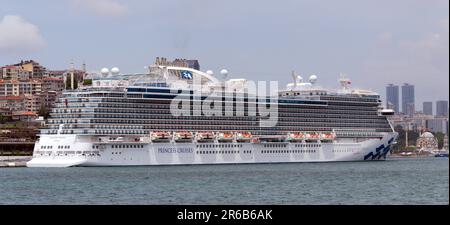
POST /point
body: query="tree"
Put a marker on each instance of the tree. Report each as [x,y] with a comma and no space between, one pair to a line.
[440,138]
[87,82]
[401,139]
[2,119]
[44,111]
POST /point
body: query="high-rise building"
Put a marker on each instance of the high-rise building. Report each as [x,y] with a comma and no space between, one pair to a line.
[438,125]
[193,63]
[410,109]
[14,73]
[428,108]
[408,99]
[392,97]
[442,108]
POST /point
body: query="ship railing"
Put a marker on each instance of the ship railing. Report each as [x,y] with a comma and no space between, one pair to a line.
[357,133]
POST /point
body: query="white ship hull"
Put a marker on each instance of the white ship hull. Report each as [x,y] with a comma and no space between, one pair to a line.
[72,150]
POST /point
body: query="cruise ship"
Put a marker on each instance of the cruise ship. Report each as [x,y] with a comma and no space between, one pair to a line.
[178,115]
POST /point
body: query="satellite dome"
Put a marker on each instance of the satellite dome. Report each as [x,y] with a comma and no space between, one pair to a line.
[115,70]
[224,72]
[300,78]
[105,71]
[313,79]
[210,72]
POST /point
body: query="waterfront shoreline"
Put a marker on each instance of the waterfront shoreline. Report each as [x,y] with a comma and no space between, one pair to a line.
[14,161]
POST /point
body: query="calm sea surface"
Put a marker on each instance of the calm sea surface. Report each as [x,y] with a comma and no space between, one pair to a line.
[395,181]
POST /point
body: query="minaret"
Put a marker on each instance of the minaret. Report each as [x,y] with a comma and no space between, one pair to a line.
[72,69]
[406,135]
[84,69]
[84,66]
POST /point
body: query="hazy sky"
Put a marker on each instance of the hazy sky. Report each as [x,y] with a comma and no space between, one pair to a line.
[374,42]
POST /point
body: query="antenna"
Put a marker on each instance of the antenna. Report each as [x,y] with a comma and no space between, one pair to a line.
[294,76]
[345,82]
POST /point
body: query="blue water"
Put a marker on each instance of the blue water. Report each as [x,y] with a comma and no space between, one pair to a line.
[395,181]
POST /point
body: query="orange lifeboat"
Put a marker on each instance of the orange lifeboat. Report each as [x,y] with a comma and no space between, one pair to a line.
[160,136]
[328,136]
[244,136]
[227,136]
[205,136]
[183,136]
[313,136]
[295,136]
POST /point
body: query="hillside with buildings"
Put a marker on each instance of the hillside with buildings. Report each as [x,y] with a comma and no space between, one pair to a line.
[28,91]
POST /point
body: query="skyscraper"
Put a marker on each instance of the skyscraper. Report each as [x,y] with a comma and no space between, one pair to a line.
[408,99]
[438,125]
[442,108]
[392,98]
[428,108]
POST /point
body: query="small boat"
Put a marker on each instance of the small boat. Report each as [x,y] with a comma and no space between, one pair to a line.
[313,136]
[441,155]
[244,136]
[160,136]
[183,136]
[227,136]
[327,136]
[295,137]
[205,136]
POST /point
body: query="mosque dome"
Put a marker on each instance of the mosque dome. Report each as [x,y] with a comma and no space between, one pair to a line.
[427,135]
[427,141]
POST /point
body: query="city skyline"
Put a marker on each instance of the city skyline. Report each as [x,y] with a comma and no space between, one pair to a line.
[392,97]
[442,108]
[408,99]
[428,108]
[402,103]
[407,43]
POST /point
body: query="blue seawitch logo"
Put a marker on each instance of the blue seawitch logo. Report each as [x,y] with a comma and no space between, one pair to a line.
[186,75]
[381,151]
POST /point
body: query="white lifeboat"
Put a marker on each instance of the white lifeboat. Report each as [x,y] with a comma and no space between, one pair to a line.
[205,136]
[225,136]
[183,136]
[328,136]
[297,136]
[160,136]
[313,136]
[244,136]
